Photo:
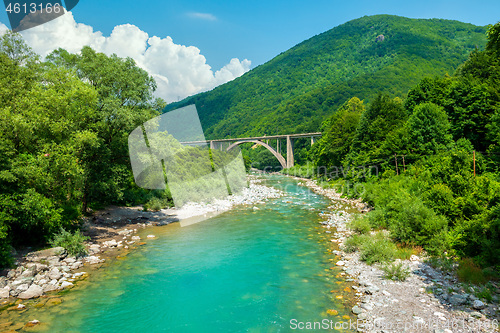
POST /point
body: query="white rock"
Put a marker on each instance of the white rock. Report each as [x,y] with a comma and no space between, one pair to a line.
[54,274]
[32,292]
[478,305]
[4,292]
[22,287]
[136,238]
[151,236]
[66,284]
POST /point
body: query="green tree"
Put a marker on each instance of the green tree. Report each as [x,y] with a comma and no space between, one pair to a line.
[382,120]
[338,133]
[125,101]
[428,128]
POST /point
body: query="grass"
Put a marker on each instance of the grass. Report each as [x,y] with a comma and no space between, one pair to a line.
[396,271]
[469,272]
[443,263]
[484,293]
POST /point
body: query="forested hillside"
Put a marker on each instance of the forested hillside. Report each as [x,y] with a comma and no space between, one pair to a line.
[296,90]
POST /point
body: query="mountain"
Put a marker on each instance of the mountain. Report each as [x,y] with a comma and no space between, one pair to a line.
[299,88]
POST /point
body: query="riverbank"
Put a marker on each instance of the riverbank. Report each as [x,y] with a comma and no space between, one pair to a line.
[429,300]
[40,276]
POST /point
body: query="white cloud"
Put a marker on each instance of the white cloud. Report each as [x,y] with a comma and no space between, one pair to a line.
[3,28]
[179,70]
[202,16]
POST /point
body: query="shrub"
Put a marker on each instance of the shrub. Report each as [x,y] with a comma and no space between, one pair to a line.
[484,293]
[72,242]
[360,224]
[443,263]
[469,272]
[353,243]
[155,204]
[396,271]
[377,249]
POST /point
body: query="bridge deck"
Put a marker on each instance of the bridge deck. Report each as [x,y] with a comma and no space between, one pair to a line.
[292,136]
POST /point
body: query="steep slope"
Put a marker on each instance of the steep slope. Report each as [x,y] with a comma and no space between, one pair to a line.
[296,90]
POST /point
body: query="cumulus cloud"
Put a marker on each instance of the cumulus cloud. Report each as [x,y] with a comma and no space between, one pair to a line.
[179,70]
[202,16]
[3,28]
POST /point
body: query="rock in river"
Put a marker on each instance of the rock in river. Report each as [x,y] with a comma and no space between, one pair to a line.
[32,292]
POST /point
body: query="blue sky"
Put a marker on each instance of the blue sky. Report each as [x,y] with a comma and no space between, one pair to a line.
[259,30]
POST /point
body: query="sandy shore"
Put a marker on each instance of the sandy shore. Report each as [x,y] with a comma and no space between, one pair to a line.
[428,301]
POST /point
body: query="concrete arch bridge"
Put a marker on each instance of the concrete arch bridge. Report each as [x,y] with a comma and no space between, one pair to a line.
[289,139]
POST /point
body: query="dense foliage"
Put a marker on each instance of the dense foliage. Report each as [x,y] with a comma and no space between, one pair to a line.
[64,125]
[436,153]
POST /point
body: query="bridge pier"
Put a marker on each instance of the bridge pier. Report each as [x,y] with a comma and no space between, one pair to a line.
[289,152]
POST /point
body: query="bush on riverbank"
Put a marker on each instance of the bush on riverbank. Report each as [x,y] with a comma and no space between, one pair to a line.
[72,242]
[396,271]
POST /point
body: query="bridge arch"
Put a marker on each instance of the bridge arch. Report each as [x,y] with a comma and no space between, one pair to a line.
[280,158]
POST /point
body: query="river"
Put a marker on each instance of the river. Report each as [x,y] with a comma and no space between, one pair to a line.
[246,270]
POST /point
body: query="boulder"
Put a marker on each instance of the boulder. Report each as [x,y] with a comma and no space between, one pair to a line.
[3,281]
[22,287]
[54,274]
[92,260]
[371,290]
[44,254]
[32,292]
[457,300]
[49,287]
[66,284]
[94,248]
[478,305]
[5,292]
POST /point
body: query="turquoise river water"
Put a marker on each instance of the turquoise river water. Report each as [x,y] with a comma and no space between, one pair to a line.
[247,270]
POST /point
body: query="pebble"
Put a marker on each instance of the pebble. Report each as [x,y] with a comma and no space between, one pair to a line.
[357,310]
